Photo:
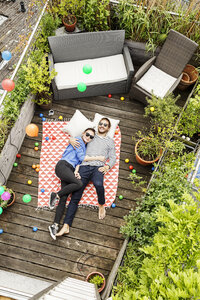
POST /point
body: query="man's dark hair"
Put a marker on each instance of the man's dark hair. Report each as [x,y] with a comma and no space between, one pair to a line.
[109,124]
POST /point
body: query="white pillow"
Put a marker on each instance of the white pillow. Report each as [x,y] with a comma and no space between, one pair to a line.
[113,122]
[77,124]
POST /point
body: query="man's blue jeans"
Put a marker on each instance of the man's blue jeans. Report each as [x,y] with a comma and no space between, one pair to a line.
[88,173]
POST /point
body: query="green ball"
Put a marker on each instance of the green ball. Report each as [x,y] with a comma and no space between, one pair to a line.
[121,197]
[27,198]
[36,144]
[81,87]
[1,210]
[1,190]
[15,164]
[87,69]
[133,171]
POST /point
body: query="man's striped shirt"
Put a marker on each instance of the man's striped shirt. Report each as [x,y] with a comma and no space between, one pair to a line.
[101,146]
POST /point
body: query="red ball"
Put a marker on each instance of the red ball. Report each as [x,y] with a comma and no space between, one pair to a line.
[53,138]
[131,167]
[18,155]
[109,95]
[8,84]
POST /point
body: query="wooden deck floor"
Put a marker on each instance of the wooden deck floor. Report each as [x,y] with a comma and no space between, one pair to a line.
[92,244]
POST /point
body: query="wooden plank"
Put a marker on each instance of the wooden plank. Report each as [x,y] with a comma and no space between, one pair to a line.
[65,242]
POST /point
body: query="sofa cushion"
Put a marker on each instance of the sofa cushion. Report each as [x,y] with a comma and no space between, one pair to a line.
[104,70]
[156,82]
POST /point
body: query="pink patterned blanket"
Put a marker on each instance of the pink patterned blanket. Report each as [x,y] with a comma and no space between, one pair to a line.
[54,142]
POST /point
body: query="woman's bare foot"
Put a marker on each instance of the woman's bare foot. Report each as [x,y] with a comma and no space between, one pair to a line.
[63,230]
[102,212]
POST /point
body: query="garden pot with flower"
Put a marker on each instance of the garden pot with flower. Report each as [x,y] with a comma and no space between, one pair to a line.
[7,197]
[98,279]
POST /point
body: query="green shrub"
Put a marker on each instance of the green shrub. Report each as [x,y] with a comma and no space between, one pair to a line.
[170,266]
[190,120]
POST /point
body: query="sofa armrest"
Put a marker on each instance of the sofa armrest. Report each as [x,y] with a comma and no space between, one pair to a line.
[129,66]
[53,82]
[144,68]
[51,62]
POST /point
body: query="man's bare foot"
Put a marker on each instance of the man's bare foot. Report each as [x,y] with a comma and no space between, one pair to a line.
[63,230]
[102,212]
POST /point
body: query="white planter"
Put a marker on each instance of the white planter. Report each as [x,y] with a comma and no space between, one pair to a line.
[15,140]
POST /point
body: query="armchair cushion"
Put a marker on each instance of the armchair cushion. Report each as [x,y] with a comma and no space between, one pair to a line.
[156,81]
[104,70]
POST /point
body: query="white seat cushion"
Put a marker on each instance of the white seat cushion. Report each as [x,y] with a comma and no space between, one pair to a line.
[104,70]
[156,82]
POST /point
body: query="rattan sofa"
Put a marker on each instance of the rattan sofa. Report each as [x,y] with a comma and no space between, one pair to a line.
[76,48]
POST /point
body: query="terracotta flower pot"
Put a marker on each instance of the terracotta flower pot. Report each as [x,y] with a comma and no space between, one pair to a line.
[12,200]
[92,275]
[142,161]
[190,76]
[69,27]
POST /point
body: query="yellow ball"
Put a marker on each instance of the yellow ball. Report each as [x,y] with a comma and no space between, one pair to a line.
[122,98]
[36,148]
[127,160]
[29,181]
[60,117]
[152,109]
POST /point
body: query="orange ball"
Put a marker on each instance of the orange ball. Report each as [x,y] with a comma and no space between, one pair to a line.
[33,166]
[32,130]
[36,148]
[37,169]
[38,166]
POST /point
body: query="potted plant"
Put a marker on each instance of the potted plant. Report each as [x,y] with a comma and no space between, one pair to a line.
[148,149]
[69,21]
[69,9]
[98,279]
[39,79]
[7,197]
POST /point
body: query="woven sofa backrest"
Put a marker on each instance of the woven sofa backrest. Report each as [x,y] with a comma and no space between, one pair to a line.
[78,46]
[175,53]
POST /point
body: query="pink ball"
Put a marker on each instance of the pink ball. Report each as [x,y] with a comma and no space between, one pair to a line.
[5,196]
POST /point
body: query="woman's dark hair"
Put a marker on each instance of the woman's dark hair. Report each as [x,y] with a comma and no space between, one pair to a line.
[92,129]
[109,124]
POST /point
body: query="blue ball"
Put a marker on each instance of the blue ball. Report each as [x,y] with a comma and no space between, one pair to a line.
[35,229]
[6,55]
[42,190]
[46,138]
[41,115]
[1,230]
[43,119]
[152,168]
[113,205]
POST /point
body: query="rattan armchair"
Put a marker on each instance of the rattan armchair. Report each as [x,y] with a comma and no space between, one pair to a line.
[160,75]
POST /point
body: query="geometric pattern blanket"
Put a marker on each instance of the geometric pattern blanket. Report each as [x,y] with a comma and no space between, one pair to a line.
[51,152]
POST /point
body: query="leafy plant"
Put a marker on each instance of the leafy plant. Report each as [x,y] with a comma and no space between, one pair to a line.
[190,120]
[38,77]
[97,279]
[49,24]
[169,267]
[150,21]
[163,112]
[96,15]
[169,183]
[138,181]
